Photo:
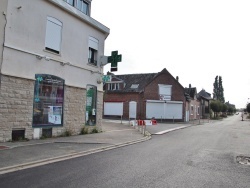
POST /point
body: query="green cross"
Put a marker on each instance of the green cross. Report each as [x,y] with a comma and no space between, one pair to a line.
[114,59]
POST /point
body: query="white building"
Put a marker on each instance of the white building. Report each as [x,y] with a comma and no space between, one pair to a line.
[49,68]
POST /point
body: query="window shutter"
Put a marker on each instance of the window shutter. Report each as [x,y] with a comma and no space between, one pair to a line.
[53,34]
[93,43]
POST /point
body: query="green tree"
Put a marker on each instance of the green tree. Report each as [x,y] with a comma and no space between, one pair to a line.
[221,91]
[248,107]
[216,87]
[224,108]
[216,106]
[230,110]
[218,91]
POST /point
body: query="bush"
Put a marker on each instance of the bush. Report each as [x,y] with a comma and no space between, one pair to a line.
[84,130]
[94,130]
[66,133]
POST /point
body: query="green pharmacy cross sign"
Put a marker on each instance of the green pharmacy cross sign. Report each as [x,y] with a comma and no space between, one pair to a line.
[114,59]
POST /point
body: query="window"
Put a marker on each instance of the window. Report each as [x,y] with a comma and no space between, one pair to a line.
[113,86]
[134,86]
[191,109]
[53,35]
[165,92]
[81,5]
[93,49]
[71,2]
[91,105]
[198,110]
[48,101]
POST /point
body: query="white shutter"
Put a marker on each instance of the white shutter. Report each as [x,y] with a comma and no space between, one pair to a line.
[53,34]
[113,108]
[165,89]
[93,43]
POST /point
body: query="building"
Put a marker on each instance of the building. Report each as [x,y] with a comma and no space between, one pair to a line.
[144,96]
[204,98]
[49,68]
[193,106]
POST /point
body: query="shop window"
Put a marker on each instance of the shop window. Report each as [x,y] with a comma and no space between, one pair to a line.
[48,101]
[91,105]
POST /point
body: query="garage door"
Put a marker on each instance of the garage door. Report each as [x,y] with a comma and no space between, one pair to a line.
[113,108]
[164,109]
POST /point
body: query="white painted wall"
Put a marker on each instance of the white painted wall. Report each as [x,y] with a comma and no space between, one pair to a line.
[25,38]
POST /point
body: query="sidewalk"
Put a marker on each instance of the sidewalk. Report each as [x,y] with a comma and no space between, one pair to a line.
[26,154]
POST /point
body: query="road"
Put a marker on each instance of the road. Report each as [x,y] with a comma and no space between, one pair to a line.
[198,156]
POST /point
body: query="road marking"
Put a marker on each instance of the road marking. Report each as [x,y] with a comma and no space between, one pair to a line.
[169,130]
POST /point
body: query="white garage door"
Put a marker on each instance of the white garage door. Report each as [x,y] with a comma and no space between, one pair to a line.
[113,108]
[155,109]
[173,111]
[164,109]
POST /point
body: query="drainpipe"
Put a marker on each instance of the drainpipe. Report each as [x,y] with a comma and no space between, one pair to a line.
[1,62]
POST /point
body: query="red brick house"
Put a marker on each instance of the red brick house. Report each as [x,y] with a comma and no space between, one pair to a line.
[193,110]
[145,96]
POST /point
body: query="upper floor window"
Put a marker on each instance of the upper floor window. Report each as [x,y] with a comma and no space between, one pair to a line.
[165,92]
[93,49]
[113,86]
[53,35]
[81,5]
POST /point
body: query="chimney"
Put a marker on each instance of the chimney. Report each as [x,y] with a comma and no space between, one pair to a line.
[189,85]
[177,78]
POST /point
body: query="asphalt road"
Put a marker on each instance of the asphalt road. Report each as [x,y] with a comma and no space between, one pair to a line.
[198,156]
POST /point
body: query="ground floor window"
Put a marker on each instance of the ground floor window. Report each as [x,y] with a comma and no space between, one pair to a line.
[91,105]
[48,101]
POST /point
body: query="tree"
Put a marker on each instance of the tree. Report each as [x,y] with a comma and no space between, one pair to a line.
[224,108]
[215,93]
[248,107]
[216,106]
[230,110]
[218,91]
[221,91]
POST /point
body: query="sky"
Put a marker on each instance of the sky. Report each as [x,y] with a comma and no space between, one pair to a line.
[195,40]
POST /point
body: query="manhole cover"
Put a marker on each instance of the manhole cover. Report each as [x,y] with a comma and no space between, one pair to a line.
[243,160]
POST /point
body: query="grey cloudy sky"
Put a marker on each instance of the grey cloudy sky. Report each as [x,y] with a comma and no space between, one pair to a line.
[195,40]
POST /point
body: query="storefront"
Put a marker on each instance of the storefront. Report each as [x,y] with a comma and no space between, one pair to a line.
[48,101]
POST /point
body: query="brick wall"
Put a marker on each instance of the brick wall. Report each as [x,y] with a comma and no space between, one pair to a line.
[16,104]
[150,93]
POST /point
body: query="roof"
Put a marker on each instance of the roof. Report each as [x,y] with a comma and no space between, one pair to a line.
[204,94]
[191,91]
[142,79]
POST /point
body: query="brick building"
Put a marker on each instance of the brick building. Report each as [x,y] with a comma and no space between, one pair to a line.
[144,96]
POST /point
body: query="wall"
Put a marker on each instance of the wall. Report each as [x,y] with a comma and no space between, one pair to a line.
[3,11]
[25,37]
[16,108]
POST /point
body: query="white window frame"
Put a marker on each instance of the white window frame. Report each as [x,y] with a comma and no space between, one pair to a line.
[198,110]
[53,38]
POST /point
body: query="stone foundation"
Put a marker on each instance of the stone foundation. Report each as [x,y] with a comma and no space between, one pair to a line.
[16,109]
